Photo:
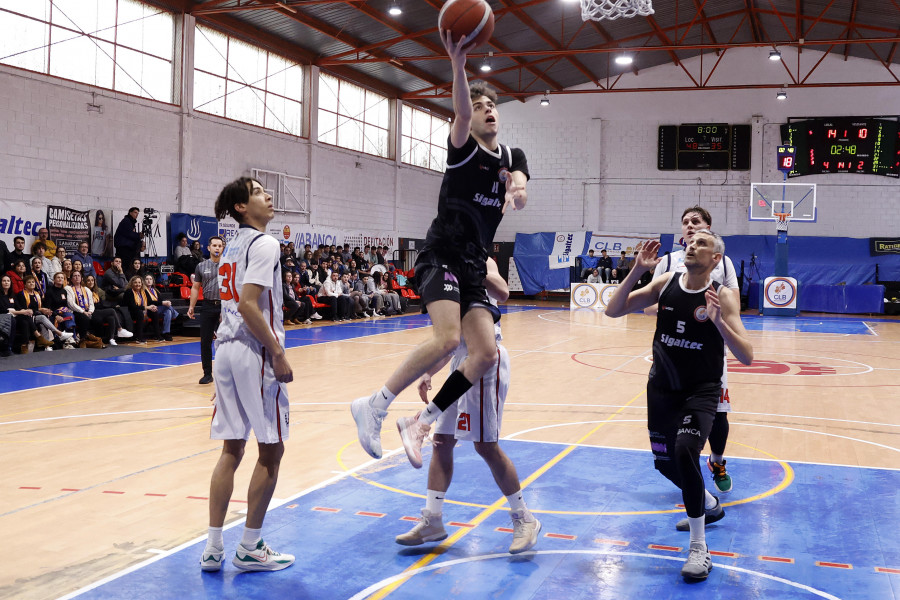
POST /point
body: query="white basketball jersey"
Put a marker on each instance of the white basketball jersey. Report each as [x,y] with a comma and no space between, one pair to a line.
[250,257]
[462,351]
[723,272]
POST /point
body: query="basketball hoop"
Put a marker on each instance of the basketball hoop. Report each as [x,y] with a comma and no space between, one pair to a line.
[781,224]
[597,10]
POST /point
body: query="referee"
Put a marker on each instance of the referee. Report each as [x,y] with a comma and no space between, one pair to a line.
[206,276]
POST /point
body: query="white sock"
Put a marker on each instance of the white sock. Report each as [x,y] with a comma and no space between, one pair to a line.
[215,538]
[434,502]
[383,398]
[698,529]
[430,414]
[251,538]
[716,458]
[516,502]
[710,500]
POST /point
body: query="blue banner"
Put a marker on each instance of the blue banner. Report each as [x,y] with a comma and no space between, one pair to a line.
[195,227]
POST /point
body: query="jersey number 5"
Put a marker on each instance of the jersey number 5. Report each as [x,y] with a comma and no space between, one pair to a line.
[227,291]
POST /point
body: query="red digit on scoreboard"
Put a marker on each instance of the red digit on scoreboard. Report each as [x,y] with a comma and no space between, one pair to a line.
[832,133]
[863,132]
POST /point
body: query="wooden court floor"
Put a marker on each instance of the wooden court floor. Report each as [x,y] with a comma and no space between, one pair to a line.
[101,473]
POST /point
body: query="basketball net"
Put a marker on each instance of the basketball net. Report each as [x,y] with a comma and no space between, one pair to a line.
[597,10]
[781,224]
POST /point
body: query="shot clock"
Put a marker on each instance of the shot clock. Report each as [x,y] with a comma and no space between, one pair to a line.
[844,145]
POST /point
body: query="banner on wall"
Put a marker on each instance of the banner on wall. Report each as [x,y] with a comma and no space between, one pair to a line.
[18,218]
[615,243]
[68,227]
[314,235]
[195,227]
[102,233]
[884,246]
[567,245]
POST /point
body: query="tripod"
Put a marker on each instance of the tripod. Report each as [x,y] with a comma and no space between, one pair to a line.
[753,270]
[149,241]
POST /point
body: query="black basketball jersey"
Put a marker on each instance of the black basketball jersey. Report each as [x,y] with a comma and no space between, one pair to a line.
[688,350]
[472,197]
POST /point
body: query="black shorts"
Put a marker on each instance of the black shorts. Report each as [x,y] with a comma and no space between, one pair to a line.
[461,282]
[686,415]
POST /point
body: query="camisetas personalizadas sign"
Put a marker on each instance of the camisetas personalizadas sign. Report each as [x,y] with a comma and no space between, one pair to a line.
[68,227]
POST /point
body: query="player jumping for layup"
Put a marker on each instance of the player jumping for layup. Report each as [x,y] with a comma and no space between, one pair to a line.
[250,372]
[482,180]
[697,317]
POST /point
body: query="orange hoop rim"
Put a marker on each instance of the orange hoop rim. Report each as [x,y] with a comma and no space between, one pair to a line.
[782,216]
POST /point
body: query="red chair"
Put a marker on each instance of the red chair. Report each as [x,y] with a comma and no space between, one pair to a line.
[98,268]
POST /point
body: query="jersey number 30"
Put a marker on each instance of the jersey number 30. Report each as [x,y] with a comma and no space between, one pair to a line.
[227,291]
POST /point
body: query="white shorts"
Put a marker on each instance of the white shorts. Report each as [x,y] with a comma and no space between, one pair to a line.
[248,396]
[476,417]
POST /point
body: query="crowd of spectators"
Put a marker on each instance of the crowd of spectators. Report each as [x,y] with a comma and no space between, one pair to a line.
[602,269]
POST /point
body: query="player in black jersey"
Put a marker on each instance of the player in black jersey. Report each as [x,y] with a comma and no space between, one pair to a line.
[696,318]
[483,180]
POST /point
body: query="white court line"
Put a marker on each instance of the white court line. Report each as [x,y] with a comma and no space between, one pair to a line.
[611,553]
[870,329]
[132,362]
[190,543]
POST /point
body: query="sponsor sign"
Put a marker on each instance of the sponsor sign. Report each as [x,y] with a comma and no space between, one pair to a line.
[17,218]
[567,245]
[780,292]
[615,243]
[67,227]
[591,295]
[884,246]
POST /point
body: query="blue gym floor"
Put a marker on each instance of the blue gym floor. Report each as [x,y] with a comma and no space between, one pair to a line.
[791,531]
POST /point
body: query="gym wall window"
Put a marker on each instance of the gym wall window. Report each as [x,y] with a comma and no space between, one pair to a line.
[353,117]
[423,139]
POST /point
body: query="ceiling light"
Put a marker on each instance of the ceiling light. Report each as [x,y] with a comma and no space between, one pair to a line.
[774,55]
[394,10]
[545,101]
[624,59]
[486,63]
[781,95]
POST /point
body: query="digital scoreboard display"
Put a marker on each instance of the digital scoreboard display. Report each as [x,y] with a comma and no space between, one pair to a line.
[704,146]
[869,145]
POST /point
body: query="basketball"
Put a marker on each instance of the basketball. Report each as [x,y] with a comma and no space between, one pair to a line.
[471,18]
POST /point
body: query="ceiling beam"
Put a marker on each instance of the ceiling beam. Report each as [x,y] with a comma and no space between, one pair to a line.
[850,29]
[754,20]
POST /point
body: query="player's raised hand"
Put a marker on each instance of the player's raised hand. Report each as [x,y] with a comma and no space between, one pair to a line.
[282,368]
[713,308]
[647,258]
[513,194]
[424,386]
[455,50]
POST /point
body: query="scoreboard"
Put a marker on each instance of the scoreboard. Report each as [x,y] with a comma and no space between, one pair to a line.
[868,145]
[704,146]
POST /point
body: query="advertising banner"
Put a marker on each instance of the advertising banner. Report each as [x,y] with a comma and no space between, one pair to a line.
[68,227]
[567,245]
[17,218]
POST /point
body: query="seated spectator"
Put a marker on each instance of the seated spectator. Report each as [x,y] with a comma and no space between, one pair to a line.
[37,269]
[22,326]
[621,270]
[87,261]
[588,264]
[359,304]
[49,266]
[58,261]
[78,266]
[135,269]
[30,300]
[18,252]
[295,312]
[365,285]
[66,268]
[330,294]
[138,302]
[604,265]
[181,247]
[57,301]
[163,307]
[90,318]
[101,302]
[391,298]
[114,282]
[197,251]
[49,245]
[17,275]
[594,277]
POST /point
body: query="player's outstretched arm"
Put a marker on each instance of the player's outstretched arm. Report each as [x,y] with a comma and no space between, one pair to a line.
[256,323]
[624,300]
[494,282]
[724,309]
[462,103]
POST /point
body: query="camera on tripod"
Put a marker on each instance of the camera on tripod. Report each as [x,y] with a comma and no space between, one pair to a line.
[150,214]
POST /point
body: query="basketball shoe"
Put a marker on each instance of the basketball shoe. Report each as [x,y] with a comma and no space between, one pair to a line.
[716,513]
[261,558]
[526,529]
[430,528]
[720,476]
[212,558]
[368,424]
[699,562]
[413,433]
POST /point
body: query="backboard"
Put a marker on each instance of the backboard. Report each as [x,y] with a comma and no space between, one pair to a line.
[796,199]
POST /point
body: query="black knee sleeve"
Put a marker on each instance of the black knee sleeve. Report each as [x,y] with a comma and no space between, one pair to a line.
[719,434]
[687,461]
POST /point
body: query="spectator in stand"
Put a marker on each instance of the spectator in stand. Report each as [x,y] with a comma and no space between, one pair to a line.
[114,282]
[588,264]
[37,269]
[101,244]
[197,251]
[138,302]
[30,299]
[101,302]
[306,280]
[163,307]
[43,238]
[359,305]
[50,266]
[4,257]
[89,317]
[292,251]
[77,266]
[391,298]
[621,269]
[127,240]
[366,286]
[181,247]
[66,268]
[294,311]
[594,277]
[135,269]
[17,253]
[346,255]
[56,300]
[323,273]
[22,327]
[604,265]
[17,275]
[330,294]
[87,261]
